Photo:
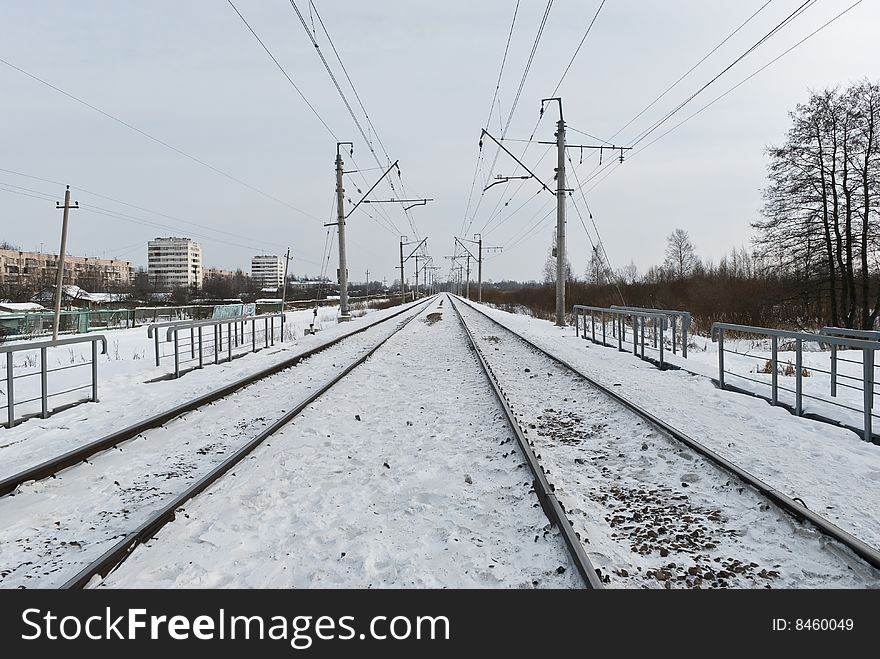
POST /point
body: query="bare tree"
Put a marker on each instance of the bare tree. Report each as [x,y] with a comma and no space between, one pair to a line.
[549,270]
[681,257]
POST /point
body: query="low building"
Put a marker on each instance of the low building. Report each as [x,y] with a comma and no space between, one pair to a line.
[37,269]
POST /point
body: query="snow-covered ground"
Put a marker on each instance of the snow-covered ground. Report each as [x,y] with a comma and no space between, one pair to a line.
[651,511]
[831,469]
[127,394]
[51,528]
[402,475]
[130,358]
[747,366]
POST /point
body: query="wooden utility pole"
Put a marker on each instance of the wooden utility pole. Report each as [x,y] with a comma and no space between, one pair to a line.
[284,284]
[59,279]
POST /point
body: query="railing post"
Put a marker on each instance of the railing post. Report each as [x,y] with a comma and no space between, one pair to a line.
[774,363]
[176,355]
[593,325]
[272,325]
[253,335]
[192,342]
[266,331]
[834,369]
[10,392]
[654,330]
[868,385]
[44,384]
[642,332]
[201,354]
[216,346]
[282,325]
[156,343]
[616,325]
[798,381]
[635,327]
[661,339]
[603,328]
[577,323]
[685,326]
[721,357]
[229,340]
[674,321]
[94,371]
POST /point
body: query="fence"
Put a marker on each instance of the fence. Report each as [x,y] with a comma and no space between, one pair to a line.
[14,382]
[201,338]
[618,318]
[81,321]
[835,337]
[680,321]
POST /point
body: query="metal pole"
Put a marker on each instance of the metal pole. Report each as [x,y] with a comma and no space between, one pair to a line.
[59,277]
[560,220]
[10,393]
[94,371]
[176,356]
[798,381]
[773,364]
[468,285]
[721,358]
[868,384]
[343,265]
[402,280]
[44,384]
[201,355]
[834,369]
[479,238]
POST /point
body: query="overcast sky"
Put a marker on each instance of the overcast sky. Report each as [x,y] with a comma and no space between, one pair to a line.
[191,75]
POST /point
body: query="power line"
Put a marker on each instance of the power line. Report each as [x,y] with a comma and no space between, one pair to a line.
[690,70]
[135,206]
[578,49]
[155,139]
[281,68]
[788,19]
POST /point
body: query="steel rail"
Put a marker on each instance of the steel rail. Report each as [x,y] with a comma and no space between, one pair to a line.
[544,491]
[75,456]
[866,552]
[117,554]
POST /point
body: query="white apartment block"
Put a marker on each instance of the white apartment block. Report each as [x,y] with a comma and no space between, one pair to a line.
[174,263]
[39,270]
[267,271]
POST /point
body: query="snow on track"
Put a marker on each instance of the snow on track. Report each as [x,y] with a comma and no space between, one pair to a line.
[402,475]
[831,469]
[653,513]
[49,529]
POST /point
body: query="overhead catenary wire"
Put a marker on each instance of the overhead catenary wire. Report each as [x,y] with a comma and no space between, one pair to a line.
[155,139]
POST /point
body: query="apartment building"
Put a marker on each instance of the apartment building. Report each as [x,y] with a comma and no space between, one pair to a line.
[174,263]
[38,269]
[267,270]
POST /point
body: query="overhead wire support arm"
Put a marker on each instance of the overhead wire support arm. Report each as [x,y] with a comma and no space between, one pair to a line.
[504,179]
[600,147]
[412,202]
[504,148]
[387,171]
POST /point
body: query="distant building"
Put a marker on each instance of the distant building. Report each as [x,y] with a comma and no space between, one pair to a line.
[174,263]
[38,269]
[267,271]
[216,273]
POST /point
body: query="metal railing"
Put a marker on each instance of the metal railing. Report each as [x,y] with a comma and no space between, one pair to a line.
[638,322]
[679,320]
[12,380]
[837,338]
[213,340]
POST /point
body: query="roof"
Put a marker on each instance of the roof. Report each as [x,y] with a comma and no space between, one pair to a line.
[18,307]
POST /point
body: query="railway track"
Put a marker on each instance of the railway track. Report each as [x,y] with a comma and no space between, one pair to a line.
[402,475]
[652,505]
[157,462]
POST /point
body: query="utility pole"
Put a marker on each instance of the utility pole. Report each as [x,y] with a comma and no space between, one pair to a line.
[560,213]
[468,285]
[59,279]
[284,285]
[340,227]
[402,281]
[368,282]
[404,260]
